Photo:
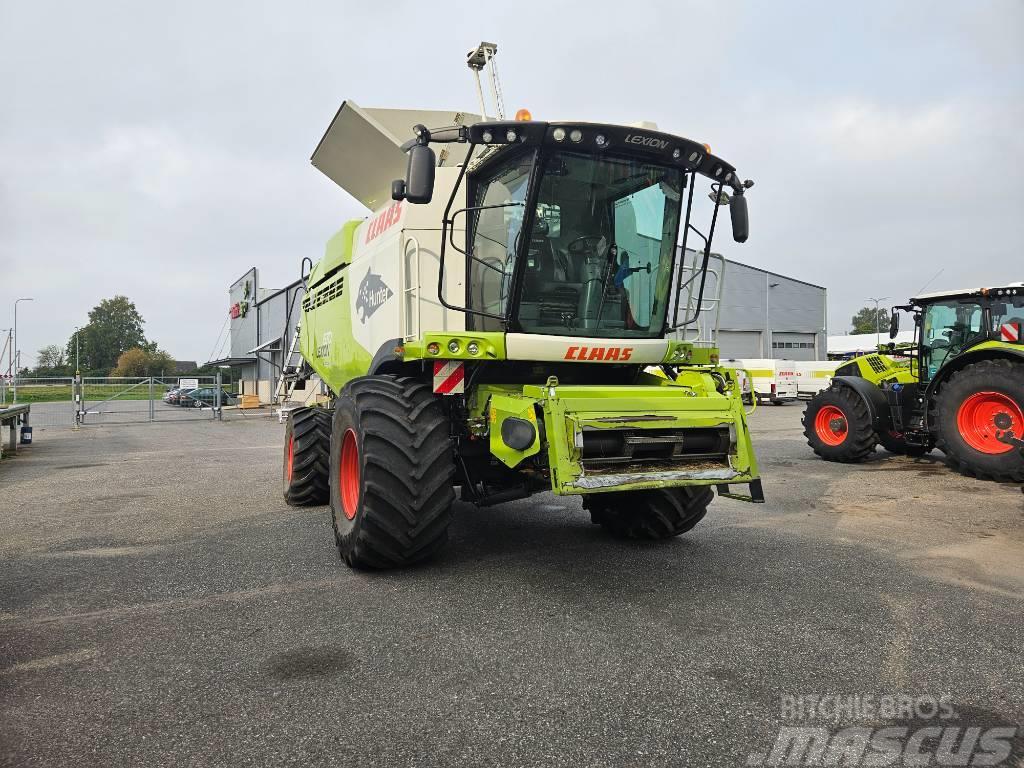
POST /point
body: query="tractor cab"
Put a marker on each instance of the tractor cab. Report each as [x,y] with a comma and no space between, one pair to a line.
[951,323]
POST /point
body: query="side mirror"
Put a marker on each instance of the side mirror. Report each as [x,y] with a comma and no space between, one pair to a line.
[894,324]
[418,186]
[738,214]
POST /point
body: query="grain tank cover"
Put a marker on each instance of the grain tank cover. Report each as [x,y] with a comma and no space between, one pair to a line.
[361,150]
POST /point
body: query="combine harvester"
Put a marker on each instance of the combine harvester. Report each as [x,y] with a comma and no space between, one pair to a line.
[488,326]
[962,390]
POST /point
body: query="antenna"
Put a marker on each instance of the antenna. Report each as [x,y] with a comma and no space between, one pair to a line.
[930,281]
[479,59]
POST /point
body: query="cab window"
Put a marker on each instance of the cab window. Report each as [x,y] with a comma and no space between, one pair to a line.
[947,329]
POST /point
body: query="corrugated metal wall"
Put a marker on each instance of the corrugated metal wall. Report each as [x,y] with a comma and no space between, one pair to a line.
[769,315]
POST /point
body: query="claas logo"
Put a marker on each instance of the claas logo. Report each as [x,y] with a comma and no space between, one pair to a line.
[601,354]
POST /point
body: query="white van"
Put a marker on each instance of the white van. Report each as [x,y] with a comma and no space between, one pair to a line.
[812,376]
[773,381]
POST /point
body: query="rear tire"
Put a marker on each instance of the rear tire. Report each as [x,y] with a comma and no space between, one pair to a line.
[391,472]
[307,449]
[656,514]
[971,409]
[837,425]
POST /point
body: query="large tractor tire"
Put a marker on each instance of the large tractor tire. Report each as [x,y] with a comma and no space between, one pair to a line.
[894,442]
[972,410]
[837,425]
[392,468]
[307,451]
[656,514]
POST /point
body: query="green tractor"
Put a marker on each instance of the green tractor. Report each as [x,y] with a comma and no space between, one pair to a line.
[959,389]
[507,322]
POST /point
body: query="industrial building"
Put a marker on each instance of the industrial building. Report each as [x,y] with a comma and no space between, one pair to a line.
[260,329]
[768,315]
[763,315]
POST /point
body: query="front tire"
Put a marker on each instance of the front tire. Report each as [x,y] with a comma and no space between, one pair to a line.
[837,425]
[392,469]
[656,514]
[307,449]
[979,403]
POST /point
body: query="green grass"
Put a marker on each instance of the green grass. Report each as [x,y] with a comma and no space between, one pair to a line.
[58,393]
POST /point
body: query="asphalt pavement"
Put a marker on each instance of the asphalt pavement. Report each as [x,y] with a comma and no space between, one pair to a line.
[160,605]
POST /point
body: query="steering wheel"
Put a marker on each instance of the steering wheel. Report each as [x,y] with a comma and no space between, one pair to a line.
[585,243]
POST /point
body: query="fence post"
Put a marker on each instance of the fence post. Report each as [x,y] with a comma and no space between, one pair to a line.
[76,398]
[218,381]
[152,415]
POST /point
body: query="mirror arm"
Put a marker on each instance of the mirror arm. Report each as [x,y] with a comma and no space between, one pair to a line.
[458,134]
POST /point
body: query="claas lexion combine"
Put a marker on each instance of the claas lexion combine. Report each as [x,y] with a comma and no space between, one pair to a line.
[505,323]
[959,388]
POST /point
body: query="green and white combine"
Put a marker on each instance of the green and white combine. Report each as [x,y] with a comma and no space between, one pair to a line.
[959,389]
[505,323]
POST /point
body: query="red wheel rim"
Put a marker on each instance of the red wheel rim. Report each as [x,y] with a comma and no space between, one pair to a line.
[348,475]
[830,425]
[289,459]
[985,415]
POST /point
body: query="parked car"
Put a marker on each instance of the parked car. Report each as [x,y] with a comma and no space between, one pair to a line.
[171,395]
[206,397]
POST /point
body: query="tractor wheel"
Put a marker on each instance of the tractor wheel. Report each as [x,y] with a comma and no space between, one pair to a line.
[392,469]
[656,514]
[973,410]
[893,442]
[837,425]
[307,450]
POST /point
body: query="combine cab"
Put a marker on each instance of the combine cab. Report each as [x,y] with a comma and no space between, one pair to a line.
[959,389]
[488,327]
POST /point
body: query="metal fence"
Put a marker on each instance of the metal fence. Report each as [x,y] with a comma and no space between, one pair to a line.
[65,401]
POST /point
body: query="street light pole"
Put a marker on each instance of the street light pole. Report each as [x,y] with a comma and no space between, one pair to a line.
[878,331]
[17,361]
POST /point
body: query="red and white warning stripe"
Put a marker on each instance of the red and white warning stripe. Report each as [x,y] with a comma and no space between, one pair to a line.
[449,378]
[1010,332]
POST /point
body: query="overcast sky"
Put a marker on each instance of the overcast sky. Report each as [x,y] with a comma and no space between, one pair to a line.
[158,150]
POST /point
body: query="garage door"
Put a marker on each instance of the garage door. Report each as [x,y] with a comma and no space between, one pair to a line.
[793,346]
[740,344]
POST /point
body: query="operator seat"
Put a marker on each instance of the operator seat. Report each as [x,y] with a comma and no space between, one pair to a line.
[541,263]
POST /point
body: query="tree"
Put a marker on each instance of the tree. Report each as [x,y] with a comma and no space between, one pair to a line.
[114,327]
[143,362]
[865,319]
[50,357]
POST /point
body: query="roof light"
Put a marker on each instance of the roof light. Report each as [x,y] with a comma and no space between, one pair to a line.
[434,348]
[510,135]
[600,140]
[558,134]
[576,135]
[473,348]
[487,137]
[523,115]
[676,154]
[453,346]
[707,148]
[693,156]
